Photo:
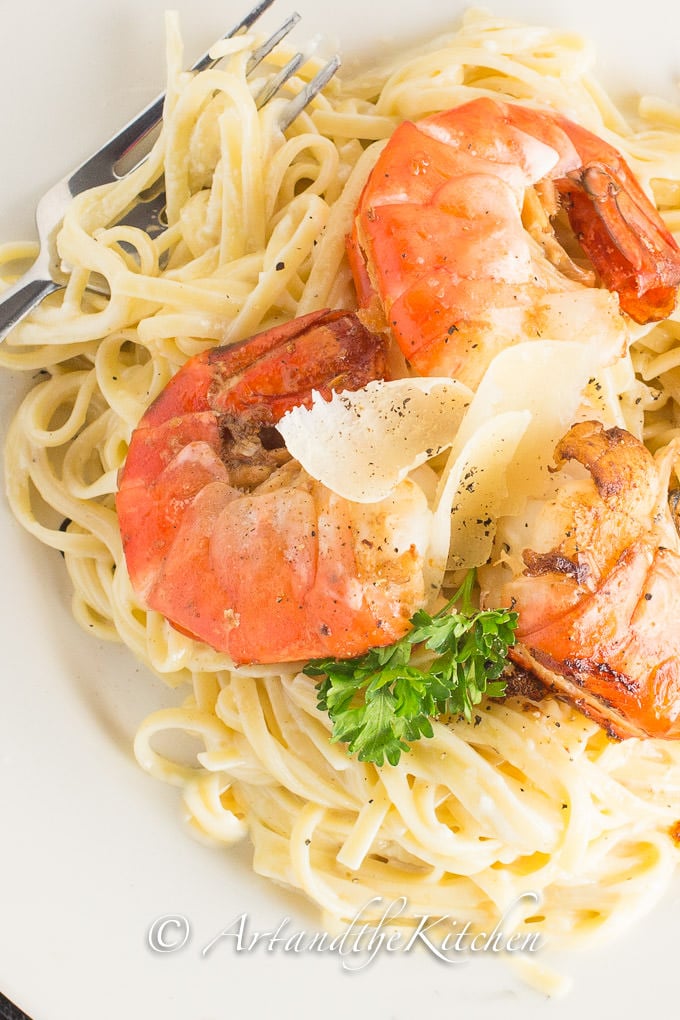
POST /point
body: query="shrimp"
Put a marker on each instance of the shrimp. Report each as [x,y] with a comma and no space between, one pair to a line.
[458,240]
[599,598]
[231,541]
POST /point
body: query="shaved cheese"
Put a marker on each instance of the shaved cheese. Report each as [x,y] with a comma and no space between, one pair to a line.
[502,452]
[473,494]
[362,444]
[516,381]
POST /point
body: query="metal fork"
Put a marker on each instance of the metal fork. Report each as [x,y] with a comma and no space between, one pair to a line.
[129,147]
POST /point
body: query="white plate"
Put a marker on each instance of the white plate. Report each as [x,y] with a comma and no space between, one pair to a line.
[92,849]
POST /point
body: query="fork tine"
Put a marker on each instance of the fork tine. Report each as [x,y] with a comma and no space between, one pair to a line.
[268,45]
[131,144]
[250,18]
[243,25]
[277,81]
[305,95]
[148,212]
[104,165]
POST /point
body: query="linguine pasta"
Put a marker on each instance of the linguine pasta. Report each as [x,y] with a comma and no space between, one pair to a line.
[531,797]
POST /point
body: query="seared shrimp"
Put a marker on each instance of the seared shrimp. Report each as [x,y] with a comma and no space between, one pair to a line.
[599,597]
[454,245]
[231,541]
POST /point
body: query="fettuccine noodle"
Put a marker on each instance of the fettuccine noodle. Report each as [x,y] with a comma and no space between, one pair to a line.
[532,796]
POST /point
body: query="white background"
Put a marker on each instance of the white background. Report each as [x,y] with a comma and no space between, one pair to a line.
[92,850]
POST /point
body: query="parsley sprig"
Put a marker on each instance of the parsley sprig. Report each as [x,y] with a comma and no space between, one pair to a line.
[381,701]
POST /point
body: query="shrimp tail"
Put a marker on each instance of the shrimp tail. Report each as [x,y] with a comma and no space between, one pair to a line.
[631,250]
[615,460]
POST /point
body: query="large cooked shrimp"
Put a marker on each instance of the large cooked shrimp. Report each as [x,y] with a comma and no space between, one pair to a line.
[599,597]
[231,541]
[454,240]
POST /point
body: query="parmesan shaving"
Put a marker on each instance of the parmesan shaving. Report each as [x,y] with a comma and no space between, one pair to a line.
[516,381]
[473,491]
[362,444]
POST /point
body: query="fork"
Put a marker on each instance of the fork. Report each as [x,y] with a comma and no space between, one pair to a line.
[126,148]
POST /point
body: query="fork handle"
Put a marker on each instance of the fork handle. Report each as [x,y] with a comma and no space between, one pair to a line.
[21,299]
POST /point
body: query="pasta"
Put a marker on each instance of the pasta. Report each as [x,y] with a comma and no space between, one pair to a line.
[531,797]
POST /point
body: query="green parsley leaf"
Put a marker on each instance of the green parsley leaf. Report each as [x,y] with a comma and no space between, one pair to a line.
[381,702]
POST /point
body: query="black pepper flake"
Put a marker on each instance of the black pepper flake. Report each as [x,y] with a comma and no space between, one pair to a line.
[280,266]
[64,527]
